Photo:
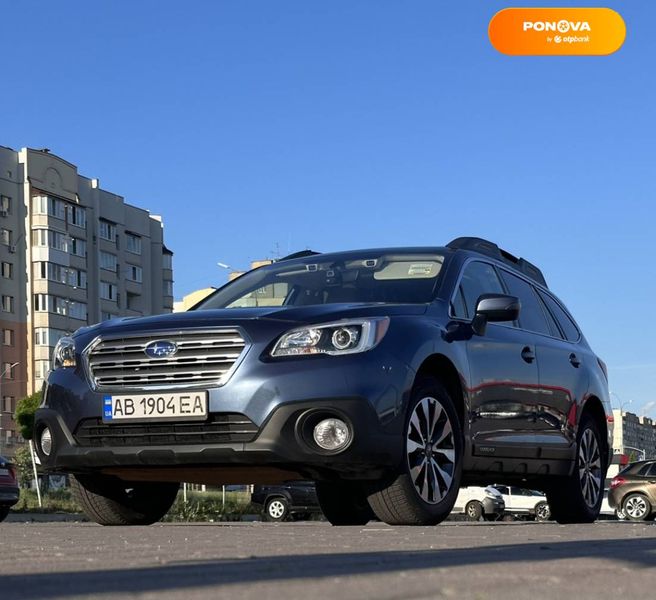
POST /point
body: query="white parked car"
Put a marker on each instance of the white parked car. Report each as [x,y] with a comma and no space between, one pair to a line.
[479,502]
[525,503]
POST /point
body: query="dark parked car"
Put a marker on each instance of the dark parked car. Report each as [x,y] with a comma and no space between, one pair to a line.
[389,377]
[633,491]
[8,487]
[293,498]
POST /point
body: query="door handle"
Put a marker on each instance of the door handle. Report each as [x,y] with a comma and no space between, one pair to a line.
[528,355]
[574,360]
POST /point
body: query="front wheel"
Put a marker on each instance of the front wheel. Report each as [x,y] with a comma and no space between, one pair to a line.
[577,498]
[474,510]
[424,489]
[112,501]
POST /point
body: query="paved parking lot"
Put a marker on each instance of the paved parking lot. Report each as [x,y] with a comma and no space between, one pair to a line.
[305,560]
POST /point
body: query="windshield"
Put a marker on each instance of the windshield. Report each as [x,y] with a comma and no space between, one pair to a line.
[389,278]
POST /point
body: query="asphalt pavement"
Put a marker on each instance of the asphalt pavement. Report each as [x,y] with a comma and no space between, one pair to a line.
[52,561]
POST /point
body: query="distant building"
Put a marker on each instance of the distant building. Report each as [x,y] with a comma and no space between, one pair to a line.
[634,436]
[192,299]
[71,254]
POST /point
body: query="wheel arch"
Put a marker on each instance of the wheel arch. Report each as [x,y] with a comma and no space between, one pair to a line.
[595,408]
[441,367]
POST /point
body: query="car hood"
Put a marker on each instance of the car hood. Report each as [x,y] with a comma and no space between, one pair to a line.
[317,313]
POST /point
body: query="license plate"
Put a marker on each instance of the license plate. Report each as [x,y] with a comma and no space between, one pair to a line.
[4,472]
[186,406]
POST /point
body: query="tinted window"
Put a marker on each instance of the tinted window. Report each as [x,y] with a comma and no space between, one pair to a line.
[458,307]
[648,470]
[477,279]
[564,320]
[531,315]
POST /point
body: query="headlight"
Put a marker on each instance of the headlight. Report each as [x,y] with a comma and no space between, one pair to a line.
[64,354]
[343,337]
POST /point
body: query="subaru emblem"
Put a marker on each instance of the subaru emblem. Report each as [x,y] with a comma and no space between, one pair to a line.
[161,349]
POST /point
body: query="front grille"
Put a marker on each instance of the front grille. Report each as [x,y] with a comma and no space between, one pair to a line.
[220,429]
[203,358]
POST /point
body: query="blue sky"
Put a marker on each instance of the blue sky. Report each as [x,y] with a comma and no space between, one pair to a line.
[257,127]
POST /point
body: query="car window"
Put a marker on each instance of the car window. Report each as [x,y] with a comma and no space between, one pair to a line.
[515,491]
[531,315]
[564,320]
[503,489]
[458,308]
[647,470]
[652,470]
[478,278]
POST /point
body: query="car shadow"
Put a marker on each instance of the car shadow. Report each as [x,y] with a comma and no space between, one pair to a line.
[180,576]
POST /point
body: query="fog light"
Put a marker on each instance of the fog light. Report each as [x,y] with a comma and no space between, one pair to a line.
[46,442]
[332,434]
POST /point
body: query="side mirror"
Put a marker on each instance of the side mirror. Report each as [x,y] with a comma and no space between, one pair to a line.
[494,308]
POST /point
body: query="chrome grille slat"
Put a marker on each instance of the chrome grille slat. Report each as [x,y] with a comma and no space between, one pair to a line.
[204,357]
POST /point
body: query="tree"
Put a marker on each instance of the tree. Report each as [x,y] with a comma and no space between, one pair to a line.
[25,411]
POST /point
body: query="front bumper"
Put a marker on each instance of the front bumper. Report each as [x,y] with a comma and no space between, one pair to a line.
[280,444]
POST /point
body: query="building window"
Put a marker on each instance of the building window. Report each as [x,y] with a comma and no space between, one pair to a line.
[8,337]
[77,216]
[167,287]
[108,261]
[133,243]
[7,270]
[60,306]
[78,247]
[7,304]
[7,370]
[106,316]
[134,273]
[50,238]
[134,302]
[5,206]
[107,230]
[47,205]
[45,336]
[76,278]
[9,404]
[5,236]
[108,291]
[167,260]
[41,368]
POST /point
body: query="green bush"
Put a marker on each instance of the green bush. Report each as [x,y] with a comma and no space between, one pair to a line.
[25,410]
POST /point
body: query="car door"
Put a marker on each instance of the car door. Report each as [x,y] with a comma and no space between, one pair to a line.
[503,373]
[555,396]
[563,379]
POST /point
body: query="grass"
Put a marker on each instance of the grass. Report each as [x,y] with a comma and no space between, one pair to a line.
[54,501]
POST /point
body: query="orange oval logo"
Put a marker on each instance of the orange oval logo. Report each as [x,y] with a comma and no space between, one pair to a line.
[557,31]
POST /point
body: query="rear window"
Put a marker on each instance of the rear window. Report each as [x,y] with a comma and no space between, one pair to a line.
[566,323]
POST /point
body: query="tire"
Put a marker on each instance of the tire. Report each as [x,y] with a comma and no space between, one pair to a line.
[112,501]
[636,507]
[542,511]
[276,509]
[577,498]
[619,514]
[424,488]
[474,510]
[344,502]
[4,511]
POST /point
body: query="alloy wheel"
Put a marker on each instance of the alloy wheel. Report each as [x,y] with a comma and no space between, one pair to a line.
[430,450]
[589,464]
[276,509]
[542,512]
[636,507]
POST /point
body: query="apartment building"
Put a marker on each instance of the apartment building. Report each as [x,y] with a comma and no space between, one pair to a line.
[71,254]
[634,436]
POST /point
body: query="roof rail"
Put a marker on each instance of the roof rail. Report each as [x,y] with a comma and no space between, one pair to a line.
[300,254]
[490,249]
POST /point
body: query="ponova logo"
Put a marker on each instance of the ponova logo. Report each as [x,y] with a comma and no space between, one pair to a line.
[563,26]
[557,31]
